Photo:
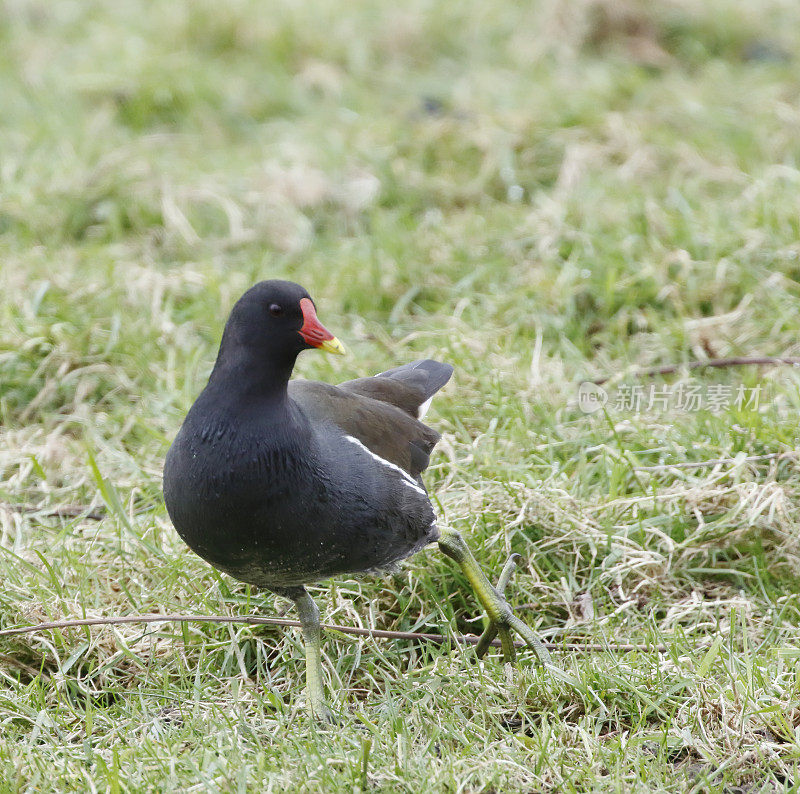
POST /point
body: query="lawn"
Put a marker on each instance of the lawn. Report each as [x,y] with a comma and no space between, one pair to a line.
[541,194]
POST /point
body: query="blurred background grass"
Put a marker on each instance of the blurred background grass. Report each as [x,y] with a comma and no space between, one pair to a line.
[539,193]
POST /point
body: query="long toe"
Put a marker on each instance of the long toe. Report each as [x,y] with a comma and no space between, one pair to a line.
[531,640]
[502,619]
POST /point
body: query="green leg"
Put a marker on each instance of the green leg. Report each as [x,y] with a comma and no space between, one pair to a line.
[501,618]
[312,639]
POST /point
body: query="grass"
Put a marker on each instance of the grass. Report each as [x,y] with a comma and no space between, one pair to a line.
[539,193]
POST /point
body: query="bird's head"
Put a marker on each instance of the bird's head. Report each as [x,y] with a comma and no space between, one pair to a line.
[278,319]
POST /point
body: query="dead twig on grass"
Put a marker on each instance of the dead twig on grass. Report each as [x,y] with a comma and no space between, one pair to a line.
[700,464]
[718,363]
[59,511]
[354,630]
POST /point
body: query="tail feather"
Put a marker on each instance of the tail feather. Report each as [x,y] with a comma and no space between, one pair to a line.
[410,387]
[426,375]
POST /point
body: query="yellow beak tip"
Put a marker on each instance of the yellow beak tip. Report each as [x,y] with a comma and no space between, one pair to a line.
[333,346]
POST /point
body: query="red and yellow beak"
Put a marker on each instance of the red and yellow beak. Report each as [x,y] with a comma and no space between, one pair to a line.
[315,333]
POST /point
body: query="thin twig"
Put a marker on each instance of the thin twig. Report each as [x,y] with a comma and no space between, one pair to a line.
[26,668]
[719,363]
[699,464]
[355,630]
[61,511]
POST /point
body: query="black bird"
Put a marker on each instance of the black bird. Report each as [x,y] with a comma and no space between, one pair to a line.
[281,483]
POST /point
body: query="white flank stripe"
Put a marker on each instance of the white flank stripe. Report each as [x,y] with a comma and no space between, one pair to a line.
[423,409]
[407,478]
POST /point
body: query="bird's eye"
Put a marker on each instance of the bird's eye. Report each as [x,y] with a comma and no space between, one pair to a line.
[276,310]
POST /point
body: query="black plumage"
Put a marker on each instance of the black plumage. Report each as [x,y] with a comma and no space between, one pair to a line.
[286,485]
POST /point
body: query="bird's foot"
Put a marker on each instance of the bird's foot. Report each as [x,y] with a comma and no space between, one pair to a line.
[502,619]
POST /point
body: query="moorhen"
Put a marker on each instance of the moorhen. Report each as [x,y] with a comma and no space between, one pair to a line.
[281,483]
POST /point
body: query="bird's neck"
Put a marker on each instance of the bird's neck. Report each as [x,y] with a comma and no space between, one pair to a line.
[244,378]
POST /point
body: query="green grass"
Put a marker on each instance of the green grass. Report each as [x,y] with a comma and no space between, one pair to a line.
[538,193]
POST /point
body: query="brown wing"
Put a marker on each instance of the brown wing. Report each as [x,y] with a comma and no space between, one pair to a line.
[383,427]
